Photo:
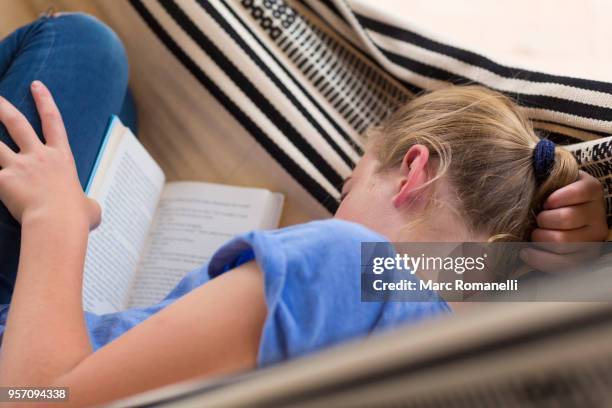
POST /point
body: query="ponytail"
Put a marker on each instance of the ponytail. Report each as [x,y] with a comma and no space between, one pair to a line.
[487,149]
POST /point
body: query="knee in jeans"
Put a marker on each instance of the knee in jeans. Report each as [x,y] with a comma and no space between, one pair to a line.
[93,34]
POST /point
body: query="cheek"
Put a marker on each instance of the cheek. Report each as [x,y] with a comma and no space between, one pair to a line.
[344,211]
[357,206]
[369,205]
[349,207]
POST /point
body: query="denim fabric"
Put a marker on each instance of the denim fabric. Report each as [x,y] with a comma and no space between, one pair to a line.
[84,65]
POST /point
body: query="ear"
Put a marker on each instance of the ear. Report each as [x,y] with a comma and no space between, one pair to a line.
[413,174]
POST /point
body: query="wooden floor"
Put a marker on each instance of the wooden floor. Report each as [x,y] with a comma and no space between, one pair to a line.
[557,36]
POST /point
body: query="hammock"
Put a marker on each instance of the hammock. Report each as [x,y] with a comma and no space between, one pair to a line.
[307,78]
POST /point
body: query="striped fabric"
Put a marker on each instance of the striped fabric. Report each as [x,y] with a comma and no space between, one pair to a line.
[306,78]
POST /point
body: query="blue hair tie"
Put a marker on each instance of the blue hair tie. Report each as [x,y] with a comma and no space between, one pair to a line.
[543,159]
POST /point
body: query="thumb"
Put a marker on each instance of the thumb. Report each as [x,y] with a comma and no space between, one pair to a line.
[95,213]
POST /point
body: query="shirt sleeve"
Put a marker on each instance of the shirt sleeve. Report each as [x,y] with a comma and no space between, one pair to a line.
[312,279]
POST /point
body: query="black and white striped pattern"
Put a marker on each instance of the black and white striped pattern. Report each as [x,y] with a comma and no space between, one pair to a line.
[307,77]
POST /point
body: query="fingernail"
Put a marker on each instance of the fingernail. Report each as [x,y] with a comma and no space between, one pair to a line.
[36,84]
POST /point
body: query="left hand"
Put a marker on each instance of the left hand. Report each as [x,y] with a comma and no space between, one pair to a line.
[575,213]
[41,180]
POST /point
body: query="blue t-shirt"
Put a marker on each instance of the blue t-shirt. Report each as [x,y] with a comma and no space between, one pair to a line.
[312,286]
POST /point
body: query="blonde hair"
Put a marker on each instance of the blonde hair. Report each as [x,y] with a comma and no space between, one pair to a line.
[484,145]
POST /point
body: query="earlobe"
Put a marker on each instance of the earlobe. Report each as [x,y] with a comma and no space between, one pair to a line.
[413,175]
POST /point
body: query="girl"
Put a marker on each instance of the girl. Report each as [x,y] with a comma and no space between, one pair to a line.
[455,165]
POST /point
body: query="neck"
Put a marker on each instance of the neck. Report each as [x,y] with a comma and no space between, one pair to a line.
[442,224]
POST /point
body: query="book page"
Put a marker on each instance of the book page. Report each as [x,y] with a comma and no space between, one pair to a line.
[127,187]
[193,220]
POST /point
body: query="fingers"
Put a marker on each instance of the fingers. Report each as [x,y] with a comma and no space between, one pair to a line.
[573,213]
[567,242]
[550,262]
[50,117]
[20,129]
[565,218]
[18,126]
[6,155]
[586,188]
[540,235]
[582,222]
[95,213]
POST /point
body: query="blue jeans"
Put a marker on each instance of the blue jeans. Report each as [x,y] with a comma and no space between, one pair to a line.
[84,65]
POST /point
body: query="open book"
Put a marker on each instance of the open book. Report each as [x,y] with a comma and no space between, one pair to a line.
[153,233]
